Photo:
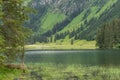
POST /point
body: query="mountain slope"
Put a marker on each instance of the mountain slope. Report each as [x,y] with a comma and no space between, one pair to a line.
[75,19]
[49,20]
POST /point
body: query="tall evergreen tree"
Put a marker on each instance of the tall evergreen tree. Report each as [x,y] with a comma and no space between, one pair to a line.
[109,35]
[15,13]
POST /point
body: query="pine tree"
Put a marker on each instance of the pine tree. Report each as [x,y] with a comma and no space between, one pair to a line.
[15,13]
[109,35]
[72,41]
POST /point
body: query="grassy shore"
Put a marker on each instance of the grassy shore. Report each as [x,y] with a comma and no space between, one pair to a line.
[51,71]
[45,71]
[83,44]
[9,74]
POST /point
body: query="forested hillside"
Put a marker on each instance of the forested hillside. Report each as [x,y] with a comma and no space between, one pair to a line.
[70,19]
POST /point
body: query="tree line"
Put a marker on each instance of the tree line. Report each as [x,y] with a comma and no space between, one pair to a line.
[108,36]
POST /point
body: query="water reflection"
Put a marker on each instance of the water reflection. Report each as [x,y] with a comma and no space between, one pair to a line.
[84,57]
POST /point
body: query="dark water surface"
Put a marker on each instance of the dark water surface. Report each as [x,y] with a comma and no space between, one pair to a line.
[83,57]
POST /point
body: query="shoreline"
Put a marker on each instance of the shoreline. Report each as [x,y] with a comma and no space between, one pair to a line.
[82,44]
[58,47]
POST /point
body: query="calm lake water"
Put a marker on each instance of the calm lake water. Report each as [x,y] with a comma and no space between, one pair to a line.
[83,57]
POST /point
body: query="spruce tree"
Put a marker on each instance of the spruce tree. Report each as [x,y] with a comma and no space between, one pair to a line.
[15,13]
[109,35]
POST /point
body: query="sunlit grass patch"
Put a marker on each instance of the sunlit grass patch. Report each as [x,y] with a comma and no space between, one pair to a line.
[9,74]
[50,71]
[78,44]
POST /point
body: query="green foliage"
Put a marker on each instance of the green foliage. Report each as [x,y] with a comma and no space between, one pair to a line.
[107,6]
[56,18]
[63,44]
[89,19]
[50,19]
[72,41]
[1,41]
[8,74]
[2,59]
[13,33]
[50,71]
[109,35]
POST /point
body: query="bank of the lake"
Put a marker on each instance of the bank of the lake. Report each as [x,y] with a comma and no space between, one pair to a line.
[50,71]
[79,44]
[67,65]
[73,64]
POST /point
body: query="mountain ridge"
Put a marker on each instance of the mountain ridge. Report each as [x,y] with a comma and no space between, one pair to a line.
[73,18]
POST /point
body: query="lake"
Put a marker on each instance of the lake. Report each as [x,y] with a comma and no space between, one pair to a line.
[83,57]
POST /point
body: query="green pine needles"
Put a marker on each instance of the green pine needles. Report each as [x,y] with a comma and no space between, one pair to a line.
[109,35]
[13,33]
